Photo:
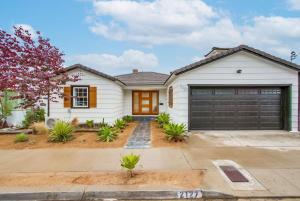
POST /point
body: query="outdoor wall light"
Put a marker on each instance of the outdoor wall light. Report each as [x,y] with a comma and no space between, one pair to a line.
[239,71]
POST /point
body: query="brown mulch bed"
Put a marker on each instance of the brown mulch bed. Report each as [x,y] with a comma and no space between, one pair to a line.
[81,140]
[158,138]
[184,178]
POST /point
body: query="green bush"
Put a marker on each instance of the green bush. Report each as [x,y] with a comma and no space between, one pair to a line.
[107,134]
[120,124]
[128,118]
[61,132]
[162,119]
[22,137]
[89,123]
[6,107]
[129,162]
[174,132]
[33,115]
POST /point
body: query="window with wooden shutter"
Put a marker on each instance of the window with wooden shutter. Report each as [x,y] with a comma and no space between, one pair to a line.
[67,97]
[93,97]
[170,95]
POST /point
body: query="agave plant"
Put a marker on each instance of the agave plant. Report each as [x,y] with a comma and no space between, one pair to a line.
[128,118]
[120,124]
[129,162]
[89,123]
[162,119]
[174,132]
[61,132]
[107,134]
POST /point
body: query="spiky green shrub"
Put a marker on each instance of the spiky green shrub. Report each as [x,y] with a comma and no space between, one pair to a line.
[6,107]
[129,162]
[120,124]
[107,134]
[162,119]
[128,118]
[61,132]
[174,132]
[89,123]
[22,137]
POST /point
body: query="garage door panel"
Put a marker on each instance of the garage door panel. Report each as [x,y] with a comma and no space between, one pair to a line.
[202,114]
[247,113]
[235,108]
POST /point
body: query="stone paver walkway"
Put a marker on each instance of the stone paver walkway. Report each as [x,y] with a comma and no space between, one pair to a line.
[140,137]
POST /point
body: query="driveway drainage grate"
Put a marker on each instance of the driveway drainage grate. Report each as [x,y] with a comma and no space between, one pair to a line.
[233,174]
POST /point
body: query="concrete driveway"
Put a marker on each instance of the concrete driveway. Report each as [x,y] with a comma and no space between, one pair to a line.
[272,158]
[280,140]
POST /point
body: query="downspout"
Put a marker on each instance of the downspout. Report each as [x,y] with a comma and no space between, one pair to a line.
[298,101]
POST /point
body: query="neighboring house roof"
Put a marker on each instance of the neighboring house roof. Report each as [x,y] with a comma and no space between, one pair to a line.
[216,49]
[75,66]
[143,78]
[231,51]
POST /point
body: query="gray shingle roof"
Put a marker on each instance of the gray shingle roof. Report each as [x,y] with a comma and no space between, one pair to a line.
[231,51]
[92,71]
[143,78]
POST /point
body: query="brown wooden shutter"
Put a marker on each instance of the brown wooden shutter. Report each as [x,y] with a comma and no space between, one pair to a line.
[67,97]
[93,97]
[170,97]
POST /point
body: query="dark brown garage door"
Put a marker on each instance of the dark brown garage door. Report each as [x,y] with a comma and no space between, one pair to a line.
[239,108]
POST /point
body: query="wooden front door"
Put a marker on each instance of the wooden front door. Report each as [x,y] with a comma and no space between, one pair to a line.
[145,102]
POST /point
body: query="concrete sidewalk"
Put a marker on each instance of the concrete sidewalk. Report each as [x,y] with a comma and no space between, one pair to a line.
[278,172]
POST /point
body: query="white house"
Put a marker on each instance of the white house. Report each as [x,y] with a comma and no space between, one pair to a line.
[239,88]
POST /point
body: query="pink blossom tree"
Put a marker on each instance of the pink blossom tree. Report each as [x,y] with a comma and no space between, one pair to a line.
[31,67]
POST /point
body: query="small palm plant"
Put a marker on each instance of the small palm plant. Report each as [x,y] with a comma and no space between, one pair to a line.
[174,132]
[22,137]
[120,124]
[129,162]
[128,118]
[162,119]
[61,132]
[107,134]
[89,123]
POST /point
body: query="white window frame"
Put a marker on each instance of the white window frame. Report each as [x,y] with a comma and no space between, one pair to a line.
[74,98]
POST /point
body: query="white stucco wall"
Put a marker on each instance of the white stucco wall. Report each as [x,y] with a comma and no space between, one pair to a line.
[127,110]
[109,101]
[255,71]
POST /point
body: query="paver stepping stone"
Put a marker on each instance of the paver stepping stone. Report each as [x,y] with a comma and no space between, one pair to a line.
[140,137]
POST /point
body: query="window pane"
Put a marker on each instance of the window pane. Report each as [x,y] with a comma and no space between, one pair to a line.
[154,102]
[80,96]
[135,102]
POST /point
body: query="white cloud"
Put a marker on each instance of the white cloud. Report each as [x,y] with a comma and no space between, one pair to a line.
[294,4]
[191,23]
[29,28]
[113,64]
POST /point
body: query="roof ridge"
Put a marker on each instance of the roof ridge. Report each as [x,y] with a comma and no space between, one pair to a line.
[142,72]
[232,51]
[91,70]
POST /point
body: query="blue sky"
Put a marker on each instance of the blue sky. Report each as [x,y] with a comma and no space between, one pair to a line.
[160,35]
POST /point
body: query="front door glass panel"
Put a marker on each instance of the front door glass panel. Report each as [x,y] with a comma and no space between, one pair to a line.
[145,102]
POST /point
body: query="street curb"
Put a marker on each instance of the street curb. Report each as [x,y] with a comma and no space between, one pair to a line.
[112,195]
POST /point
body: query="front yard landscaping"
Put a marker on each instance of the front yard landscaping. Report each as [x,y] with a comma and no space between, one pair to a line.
[159,139]
[80,140]
[188,179]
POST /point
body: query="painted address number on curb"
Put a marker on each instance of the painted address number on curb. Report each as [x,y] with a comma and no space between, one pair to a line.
[189,194]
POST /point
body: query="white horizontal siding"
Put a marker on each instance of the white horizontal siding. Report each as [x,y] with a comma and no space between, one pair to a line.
[109,101]
[255,71]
